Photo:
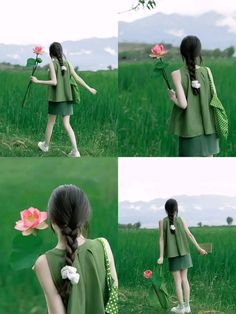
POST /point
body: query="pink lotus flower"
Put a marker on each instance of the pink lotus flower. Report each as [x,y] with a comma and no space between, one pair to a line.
[38,50]
[147,274]
[158,51]
[31,219]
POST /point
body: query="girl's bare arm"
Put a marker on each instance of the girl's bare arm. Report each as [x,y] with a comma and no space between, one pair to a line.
[52,81]
[81,81]
[193,240]
[53,299]
[161,242]
[178,97]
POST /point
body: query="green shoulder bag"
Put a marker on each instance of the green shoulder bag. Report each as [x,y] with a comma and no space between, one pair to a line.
[112,303]
[221,118]
[74,90]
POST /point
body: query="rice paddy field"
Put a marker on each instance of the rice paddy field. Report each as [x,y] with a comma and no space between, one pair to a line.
[212,278]
[27,182]
[94,120]
[145,108]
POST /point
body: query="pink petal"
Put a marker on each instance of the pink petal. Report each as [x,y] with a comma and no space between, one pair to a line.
[42,226]
[20,225]
[27,232]
[43,216]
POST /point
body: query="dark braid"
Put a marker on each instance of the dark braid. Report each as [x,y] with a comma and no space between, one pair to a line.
[191,65]
[69,209]
[171,207]
[190,49]
[56,51]
[71,247]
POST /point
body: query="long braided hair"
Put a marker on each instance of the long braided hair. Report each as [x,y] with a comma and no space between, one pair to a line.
[69,209]
[56,51]
[190,50]
[171,207]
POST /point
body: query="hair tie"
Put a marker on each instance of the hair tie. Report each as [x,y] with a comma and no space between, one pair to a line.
[196,84]
[172,227]
[70,272]
[63,68]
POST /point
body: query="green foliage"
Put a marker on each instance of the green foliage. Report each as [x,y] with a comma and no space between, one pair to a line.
[149,4]
[146,109]
[94,120]
[213,273]
[25,250]
[31,62]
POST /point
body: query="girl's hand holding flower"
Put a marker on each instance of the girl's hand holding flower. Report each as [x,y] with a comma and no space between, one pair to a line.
[172,95]
[34,79]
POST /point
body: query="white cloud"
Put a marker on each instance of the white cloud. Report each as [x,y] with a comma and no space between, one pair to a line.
[13,56]
[156,208]
[197,207]
[181,208]
[110,51]
[229,22]
[135,207]
[176,32]
[80,52]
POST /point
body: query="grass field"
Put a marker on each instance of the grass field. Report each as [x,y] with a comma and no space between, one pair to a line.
[212,278]
[145,108]
[94,120]
[29,182]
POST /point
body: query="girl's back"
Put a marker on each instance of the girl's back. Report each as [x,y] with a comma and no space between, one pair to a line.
[90,294]
[62,91]
[198,117]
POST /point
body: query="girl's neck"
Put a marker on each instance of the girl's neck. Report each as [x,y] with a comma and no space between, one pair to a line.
[62,244]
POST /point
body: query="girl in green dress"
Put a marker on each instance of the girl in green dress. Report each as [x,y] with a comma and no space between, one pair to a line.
[174,235]
[192,118]
[60,100]
[73,274]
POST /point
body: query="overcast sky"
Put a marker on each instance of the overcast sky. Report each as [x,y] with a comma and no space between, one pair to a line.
[144,179]
[191,7]
[41,22]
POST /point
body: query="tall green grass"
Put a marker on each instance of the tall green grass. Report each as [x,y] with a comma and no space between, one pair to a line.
[94,119]
[212,277]
[145,109]
[29,182]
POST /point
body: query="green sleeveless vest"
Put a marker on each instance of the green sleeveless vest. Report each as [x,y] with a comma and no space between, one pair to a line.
[198,118]
[175,244]
[90,295]
[62,91]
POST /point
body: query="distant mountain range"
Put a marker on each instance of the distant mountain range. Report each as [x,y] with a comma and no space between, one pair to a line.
[214,30]
[207,209]
[88,54]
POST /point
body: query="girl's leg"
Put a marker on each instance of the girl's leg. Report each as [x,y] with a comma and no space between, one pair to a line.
[70,132]
[186,287]
[50,125]
[178,287]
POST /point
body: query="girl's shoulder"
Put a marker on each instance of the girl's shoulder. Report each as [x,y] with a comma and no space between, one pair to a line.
[40,264]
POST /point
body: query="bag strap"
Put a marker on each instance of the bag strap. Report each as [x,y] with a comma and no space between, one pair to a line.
[107,265]
[211,81]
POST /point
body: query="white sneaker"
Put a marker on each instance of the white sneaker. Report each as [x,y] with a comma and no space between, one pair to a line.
[178,309]
[74,153]
[43,147]
[187,309]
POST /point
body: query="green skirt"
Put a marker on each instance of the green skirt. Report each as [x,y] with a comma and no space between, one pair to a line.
[180,262]
[199,146]
[63,108]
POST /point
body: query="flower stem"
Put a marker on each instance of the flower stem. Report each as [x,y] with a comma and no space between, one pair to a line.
[29,84]
[165,76]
